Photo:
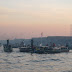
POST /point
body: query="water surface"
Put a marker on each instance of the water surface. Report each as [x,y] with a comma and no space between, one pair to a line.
[25,62]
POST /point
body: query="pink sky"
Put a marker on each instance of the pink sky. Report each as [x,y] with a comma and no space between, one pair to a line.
[33,30]
[29,19]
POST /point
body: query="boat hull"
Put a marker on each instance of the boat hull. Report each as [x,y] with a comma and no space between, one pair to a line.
[23,49]
[8,49]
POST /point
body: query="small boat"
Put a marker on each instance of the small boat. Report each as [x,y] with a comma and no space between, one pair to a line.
[7,47]
[24,48]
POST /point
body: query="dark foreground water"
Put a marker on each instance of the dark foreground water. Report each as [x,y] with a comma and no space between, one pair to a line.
[25,62]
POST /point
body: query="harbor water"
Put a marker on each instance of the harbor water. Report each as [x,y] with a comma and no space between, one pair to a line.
[27,62]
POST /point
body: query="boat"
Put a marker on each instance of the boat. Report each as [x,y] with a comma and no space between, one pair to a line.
[24,48]
[51,50]
[7,47]
[58,49]
[64,49]
[47,50]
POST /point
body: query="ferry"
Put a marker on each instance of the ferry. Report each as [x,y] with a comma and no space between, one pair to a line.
[47,50]
[51,50]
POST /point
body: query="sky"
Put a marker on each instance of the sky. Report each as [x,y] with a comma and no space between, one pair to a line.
[28,18]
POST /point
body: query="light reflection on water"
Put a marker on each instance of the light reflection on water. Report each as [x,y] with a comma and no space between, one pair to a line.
[25,62]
